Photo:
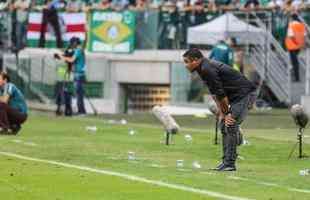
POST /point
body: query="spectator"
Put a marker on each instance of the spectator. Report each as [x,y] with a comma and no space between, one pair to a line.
[297,4]
[183,21]
[74,5]
[295,41]
[155,4]
[275,4]
[138,5]
[233,5]
[3,4]
[251,5]
[222,52]
[21,7]
[119,5]
[199,13]
[238,59]
[212,6]
[168,26]
[288,7]
[103,5]
[50,16]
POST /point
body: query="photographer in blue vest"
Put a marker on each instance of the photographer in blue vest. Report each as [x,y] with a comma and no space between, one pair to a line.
[78,61]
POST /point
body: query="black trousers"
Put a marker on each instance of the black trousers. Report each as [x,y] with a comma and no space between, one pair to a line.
[295,64]
[50,16]
[231,134]
[63,97]
[10,116]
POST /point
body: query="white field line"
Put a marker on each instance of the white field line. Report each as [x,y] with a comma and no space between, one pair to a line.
[24,143]
[128,177]
[268,184]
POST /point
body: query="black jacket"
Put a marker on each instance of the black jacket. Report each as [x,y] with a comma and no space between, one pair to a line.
[222,80]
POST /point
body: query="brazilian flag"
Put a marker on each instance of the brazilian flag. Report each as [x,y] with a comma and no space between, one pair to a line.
[112,31]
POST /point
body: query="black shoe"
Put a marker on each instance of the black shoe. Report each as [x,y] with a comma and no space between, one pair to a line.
[225,168]
[218,167]
[14,129]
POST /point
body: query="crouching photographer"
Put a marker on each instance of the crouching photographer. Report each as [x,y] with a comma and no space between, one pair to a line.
[13,107]
[75,57]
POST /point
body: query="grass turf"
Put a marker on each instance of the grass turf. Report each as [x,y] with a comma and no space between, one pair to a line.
[265,172]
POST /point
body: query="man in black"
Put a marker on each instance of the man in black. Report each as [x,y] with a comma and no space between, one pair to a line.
[231,91]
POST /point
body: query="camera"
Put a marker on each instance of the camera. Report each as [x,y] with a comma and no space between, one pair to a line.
[56,56]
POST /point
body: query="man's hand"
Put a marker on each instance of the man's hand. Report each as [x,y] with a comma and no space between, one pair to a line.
[219,115]
[229,120]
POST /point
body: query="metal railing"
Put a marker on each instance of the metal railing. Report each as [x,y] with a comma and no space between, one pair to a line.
[305,58]
[272,62]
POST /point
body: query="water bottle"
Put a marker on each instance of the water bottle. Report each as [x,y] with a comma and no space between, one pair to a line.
[180,163]
[91,128]
[131,155]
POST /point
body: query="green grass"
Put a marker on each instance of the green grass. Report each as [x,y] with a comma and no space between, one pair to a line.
[271,135]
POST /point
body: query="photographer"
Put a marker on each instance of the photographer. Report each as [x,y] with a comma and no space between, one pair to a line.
[78,61]
[13,108]
[63,87]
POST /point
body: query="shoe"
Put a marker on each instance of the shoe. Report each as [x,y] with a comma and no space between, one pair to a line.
[225,168]
[3,131]
[14,129]
[218,167]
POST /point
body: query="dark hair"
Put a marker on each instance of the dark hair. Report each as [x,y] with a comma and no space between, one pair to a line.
[75,41]
[193,54]
[295,17]
[233,40]
[5,76]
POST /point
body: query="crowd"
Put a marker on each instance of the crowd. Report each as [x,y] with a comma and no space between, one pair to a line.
[175,15]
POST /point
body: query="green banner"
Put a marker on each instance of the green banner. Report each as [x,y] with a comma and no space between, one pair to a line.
[112,32]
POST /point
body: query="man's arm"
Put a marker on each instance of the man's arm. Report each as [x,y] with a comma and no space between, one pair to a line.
[223,105]
[67,59]
[225,111]
[4,98]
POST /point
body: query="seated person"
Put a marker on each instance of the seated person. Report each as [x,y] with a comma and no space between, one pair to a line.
[13,108]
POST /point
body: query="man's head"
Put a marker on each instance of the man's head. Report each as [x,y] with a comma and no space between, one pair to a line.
[4,78]
[231,41]
[192,59]
[74,42]
[294,17]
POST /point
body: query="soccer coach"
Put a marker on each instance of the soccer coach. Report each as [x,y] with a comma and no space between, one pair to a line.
[232,93]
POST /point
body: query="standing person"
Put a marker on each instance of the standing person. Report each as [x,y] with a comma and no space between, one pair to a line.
[50,16]
[78,60]
[294,42]
[22,7]
[13,108]
[222,52]
[231,92]
[238,56]
[63,89]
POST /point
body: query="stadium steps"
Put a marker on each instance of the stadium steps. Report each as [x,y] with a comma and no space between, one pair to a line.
[273,65]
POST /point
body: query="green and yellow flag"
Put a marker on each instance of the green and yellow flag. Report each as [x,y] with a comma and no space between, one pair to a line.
[112,31]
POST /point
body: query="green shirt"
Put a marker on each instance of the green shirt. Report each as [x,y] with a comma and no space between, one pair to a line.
[16,99]
[222,53]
